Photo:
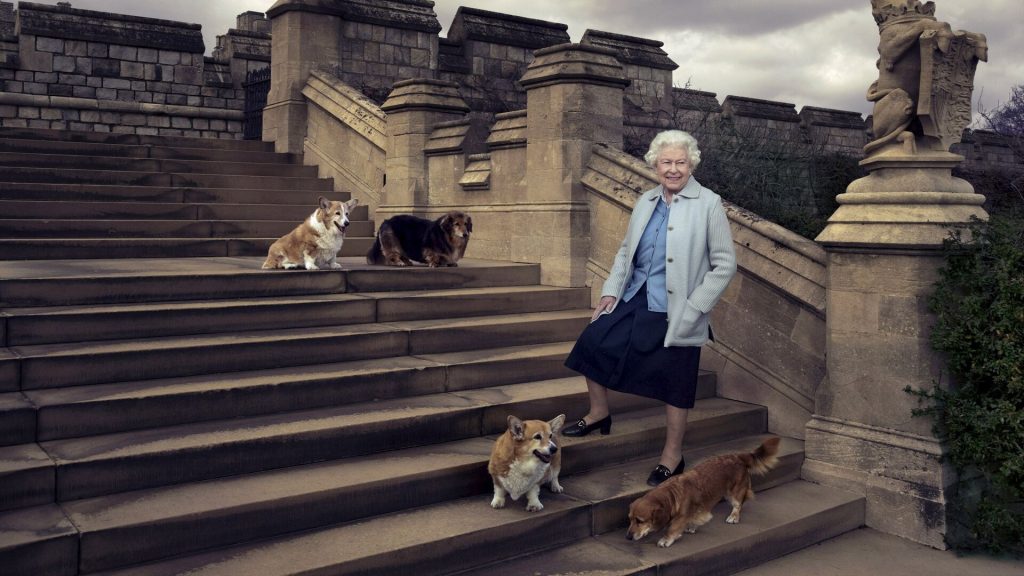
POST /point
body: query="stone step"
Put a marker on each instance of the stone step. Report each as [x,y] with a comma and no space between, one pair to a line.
[17,419]
[65,192]
[10,162]
[51,325]
[38,541]
[9,368]
[113,463]
[163,179]
[75,210]
[134,139]
[60,282]
[110,408]
[121,248]
[24,145]
[54,229]
[457,535]
[142,526]
[27,477]
[77,364]
[779,521]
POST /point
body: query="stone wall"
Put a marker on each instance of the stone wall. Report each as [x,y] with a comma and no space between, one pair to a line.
[86,70]
[487,53]
[245,48]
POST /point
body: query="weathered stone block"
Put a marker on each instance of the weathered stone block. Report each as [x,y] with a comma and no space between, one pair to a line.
[89,116]
[106,68]
[169,57]
[76,48]
[83,65]
[132,70]
[124,52]
[117,83]
[179,122]
[99,50]
[149,55]
[83,92]
[55,45]
[60,90]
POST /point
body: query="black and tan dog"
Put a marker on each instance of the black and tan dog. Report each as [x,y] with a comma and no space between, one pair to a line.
[403,239]
[683,503]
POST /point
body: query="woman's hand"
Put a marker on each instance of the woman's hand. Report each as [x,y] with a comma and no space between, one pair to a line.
[605,304]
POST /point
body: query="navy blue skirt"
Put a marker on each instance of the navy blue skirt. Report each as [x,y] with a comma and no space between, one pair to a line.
[625,351]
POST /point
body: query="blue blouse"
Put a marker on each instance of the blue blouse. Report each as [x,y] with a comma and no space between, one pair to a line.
[649,261]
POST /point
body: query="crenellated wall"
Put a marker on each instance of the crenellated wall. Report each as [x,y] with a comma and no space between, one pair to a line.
[67,68]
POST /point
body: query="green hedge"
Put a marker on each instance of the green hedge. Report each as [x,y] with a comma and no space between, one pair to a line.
[979,307]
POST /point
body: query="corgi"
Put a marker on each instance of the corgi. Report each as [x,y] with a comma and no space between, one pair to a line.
[684,503]
[315,243]
[523,458]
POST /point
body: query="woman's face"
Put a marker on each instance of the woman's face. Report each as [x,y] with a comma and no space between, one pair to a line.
[673,168]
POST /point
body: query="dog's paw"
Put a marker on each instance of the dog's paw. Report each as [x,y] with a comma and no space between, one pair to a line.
[666,541]
[497,502]
[733,519]
[691,530]
[556,487]
[335,266]
[535,506]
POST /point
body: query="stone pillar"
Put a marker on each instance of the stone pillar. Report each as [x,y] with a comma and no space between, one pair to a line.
[414,107]
[574,100]
[883,247]
[304,35]
[884,254]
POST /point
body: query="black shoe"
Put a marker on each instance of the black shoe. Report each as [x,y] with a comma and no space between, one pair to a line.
[662,473]
[581,429]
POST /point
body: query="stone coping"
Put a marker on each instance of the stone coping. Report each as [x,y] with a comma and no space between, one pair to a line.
[631,49]
[93,26]
[828,117]
[404,14]
[498,28]
[118,106]
[758,108]
[249,34]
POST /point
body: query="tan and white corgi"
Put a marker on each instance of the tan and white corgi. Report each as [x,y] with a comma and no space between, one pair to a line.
[315,243]
[523,458]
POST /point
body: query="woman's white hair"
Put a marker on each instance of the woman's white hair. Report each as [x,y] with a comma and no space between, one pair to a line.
[674,139]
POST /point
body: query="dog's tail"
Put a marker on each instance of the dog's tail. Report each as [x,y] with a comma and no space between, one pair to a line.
[375,255]
[764,458]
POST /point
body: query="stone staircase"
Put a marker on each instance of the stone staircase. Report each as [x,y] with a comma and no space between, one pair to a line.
[166,413]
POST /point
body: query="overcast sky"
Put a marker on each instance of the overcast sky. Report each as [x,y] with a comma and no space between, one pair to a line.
[806,52]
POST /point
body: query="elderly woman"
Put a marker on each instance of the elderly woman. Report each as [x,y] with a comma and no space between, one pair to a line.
[645,335]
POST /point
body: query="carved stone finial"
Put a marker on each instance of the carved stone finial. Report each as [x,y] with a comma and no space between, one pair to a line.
[925,78]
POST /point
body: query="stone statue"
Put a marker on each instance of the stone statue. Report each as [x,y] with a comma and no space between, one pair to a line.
[925,78]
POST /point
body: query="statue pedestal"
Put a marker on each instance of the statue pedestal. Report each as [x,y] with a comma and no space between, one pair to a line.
[884,249]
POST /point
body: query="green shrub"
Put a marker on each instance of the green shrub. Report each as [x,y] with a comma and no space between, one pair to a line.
[979,307]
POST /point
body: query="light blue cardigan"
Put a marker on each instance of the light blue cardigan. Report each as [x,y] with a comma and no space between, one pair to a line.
[699,259]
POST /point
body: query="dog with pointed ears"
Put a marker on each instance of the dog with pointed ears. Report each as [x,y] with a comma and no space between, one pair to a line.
[525,457]
[315,243]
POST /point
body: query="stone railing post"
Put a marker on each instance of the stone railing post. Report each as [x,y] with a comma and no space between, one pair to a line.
[884,253]
[413,108]
[303,36]
[574,100]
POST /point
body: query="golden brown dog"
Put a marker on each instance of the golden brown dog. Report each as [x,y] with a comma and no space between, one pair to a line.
[683,503]
[523,458]
[404,238]
[315,243]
